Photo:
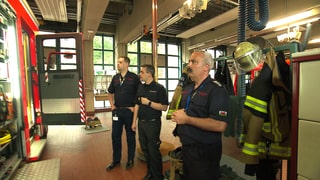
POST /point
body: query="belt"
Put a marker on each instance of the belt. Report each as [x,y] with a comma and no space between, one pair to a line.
[149,120]
[123,107]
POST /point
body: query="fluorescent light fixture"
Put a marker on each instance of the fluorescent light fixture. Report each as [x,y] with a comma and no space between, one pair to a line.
[314,41]
[196,46]
[290,19]
[299,23]
[169,22]
[53,10]
[79,2]
[136,39]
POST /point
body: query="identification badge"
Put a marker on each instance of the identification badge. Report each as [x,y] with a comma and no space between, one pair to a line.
[115,118]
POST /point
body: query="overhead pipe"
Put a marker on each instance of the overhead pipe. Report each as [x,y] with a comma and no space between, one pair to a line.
[79,4]
[241,88]
[263,15]
[242,21]
[249,17]
[154,38]
[303,44]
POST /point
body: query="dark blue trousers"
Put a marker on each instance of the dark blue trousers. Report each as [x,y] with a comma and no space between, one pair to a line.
[201,161]
[124,119]
[149,138]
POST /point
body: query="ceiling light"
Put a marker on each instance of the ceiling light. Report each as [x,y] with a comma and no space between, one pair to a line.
[299,23]
[53,10]
[79,2]
[293,18]
[136,39]
[169,22]
[196,46]
[314,41]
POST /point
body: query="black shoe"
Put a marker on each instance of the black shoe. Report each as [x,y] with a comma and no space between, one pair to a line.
[112,165]
[129,164]
[147,177]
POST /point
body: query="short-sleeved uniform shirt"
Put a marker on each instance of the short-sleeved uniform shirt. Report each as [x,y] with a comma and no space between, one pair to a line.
[124,89]
[210,99]
[155,92]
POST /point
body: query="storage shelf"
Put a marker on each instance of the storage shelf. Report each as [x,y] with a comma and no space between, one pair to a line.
[9,166]
[8,122]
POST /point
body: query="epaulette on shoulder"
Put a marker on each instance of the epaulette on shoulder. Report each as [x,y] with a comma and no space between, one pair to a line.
[217,83]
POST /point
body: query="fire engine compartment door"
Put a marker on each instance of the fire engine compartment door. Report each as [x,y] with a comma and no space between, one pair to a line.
[60,71]
[60,94]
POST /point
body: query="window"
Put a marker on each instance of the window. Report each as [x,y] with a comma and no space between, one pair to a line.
[103,62]
[146,47]
[216,53]
[60,54]
[169,62]
[103,52]
[133,55]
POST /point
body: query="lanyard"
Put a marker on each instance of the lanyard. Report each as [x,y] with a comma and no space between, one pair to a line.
[191,96]
[121,79]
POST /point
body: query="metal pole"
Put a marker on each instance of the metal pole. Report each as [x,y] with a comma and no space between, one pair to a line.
[155,38]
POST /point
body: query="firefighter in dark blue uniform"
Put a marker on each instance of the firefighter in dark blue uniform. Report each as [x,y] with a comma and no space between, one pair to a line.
[122,93]
[201,119]
[151,100]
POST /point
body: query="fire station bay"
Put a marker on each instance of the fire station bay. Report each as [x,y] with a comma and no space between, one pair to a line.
[159,89]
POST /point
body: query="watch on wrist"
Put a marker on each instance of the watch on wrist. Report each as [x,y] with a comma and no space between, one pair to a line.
[149,104]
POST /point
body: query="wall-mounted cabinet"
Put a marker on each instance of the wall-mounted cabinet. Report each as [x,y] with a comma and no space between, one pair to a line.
[305,115]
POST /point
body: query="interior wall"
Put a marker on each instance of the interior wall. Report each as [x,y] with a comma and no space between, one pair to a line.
[88,76]
[120,50]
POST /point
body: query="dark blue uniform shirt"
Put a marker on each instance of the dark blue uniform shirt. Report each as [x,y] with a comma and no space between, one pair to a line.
[124,89]
[209,100]
[155,92]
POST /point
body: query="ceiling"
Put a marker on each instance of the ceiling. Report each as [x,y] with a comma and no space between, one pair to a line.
[104,15]
[112,14]
[116,8]
[214,8]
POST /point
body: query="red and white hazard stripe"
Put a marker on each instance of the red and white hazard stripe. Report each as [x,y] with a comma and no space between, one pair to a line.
[82,105]
[46,77]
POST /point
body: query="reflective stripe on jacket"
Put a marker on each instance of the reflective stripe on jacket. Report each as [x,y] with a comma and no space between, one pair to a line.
[266,134]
